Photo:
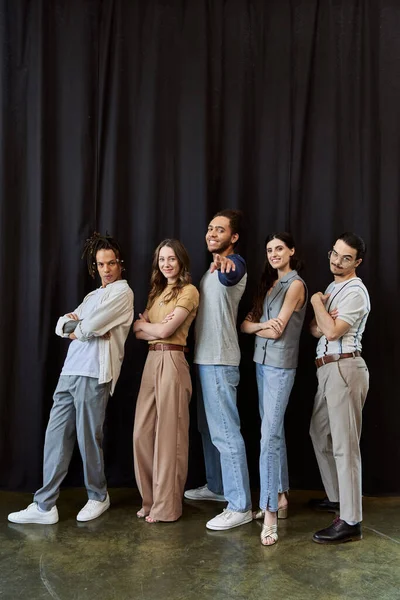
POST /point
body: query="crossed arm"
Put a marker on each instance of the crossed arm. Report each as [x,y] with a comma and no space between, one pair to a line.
[144,330]
[325,323]
[273,328]
[114,311]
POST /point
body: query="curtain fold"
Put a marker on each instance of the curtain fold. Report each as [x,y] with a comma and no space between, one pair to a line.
[144,118]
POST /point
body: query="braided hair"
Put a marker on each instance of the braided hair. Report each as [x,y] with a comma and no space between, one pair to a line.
[98,242]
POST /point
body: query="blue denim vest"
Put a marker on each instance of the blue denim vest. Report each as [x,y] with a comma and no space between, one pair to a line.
[284,351]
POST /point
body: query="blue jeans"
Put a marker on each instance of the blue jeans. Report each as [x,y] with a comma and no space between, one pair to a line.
[212,458]
[218,386]
[274,387]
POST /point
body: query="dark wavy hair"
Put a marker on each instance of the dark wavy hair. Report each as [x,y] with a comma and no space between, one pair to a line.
[270,275]
[354,241]
[158,282]
[98,242]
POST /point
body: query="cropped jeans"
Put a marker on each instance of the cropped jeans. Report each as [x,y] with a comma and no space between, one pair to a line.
[274,387]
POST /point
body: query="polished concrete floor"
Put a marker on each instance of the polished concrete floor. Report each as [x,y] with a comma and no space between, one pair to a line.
[119,557]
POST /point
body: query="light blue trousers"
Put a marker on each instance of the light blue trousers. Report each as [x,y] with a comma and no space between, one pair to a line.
[78,412]
[274,387]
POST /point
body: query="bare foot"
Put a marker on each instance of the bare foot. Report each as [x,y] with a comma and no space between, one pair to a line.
[282,508]
[141,513]
[282,500]
[149,519]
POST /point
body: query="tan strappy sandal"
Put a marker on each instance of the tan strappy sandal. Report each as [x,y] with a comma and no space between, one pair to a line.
[269,531]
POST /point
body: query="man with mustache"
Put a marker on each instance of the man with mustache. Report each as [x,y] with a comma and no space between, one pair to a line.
[343,381]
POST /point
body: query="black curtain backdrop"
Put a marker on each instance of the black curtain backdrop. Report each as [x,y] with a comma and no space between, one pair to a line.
[145,117]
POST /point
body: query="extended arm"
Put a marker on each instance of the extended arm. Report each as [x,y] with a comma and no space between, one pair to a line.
[230,268]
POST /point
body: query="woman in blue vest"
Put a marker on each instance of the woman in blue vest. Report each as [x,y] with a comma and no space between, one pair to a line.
[276,319]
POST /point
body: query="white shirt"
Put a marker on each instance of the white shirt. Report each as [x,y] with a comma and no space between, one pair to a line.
[113,313]
[83,359]
[352,301]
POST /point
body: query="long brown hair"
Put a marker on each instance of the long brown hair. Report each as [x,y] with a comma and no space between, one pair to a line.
[270,275]
[158,282]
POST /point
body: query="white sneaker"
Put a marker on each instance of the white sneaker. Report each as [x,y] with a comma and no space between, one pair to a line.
[229,519]
[93,509]
[32,514]
[203,493]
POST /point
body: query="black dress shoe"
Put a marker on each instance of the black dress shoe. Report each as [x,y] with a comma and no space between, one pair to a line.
[324,505]
[338,533]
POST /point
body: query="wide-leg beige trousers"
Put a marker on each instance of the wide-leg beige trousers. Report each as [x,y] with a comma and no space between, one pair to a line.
[161,433]
[336,430]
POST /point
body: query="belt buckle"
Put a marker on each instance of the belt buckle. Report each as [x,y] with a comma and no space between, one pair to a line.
[335,357]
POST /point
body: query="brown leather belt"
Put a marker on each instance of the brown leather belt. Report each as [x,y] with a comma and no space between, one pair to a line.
[324,360]
[163,347]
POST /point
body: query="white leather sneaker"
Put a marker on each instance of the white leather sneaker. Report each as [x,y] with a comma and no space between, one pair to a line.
[203,493]
[93,509]
[229,519]
[32,514]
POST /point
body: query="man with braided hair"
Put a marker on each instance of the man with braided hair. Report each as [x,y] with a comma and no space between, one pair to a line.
[98,328]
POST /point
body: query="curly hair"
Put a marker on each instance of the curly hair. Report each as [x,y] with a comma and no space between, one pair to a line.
[158,282]
[270,275]
[98,242]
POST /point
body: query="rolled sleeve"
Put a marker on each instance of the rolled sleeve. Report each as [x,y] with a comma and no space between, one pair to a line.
[64,319]
[108,314]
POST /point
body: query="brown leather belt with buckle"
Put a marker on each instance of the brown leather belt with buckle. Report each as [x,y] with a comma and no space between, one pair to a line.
[163,347]
[324,360]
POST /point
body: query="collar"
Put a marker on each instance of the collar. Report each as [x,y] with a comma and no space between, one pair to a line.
[288,277]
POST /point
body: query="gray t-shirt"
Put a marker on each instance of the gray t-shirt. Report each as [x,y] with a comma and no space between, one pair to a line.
[215,329]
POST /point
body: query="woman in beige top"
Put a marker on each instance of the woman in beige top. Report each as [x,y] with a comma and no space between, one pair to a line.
[161,430]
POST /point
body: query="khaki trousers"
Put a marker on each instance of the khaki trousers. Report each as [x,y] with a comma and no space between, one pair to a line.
[161,433]
[336,430]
